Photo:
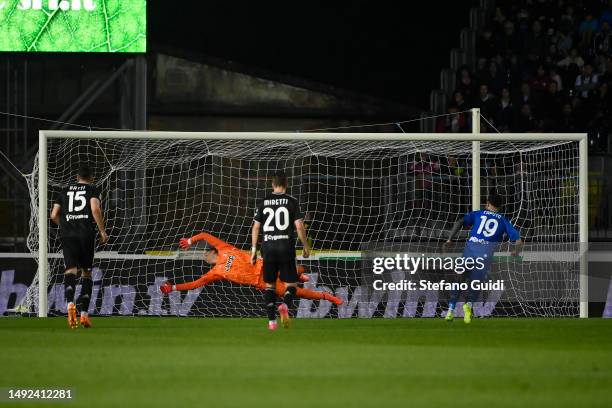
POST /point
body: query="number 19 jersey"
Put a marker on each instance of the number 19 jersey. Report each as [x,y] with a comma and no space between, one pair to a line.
[277,213]
[489,226]
[488,229]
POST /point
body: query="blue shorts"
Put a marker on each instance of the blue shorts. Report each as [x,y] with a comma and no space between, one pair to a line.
[480,271]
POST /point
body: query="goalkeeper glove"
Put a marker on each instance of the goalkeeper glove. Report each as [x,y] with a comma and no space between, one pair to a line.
[166,288]
[185,243]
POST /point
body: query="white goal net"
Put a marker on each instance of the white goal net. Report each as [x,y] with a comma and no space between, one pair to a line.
[354,193]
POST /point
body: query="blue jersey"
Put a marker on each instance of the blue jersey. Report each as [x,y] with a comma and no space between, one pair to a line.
[488,229]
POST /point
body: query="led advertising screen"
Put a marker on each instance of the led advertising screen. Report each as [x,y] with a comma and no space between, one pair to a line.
[106,26]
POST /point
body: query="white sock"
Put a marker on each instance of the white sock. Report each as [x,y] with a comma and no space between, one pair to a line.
[271,321]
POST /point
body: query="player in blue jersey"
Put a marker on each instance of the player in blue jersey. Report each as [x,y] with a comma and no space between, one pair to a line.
[488,228]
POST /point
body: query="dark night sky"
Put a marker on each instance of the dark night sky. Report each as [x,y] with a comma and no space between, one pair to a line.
[383,48]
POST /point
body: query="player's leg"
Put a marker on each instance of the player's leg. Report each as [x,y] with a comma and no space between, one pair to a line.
[476,274]
[70,250]
[289,276]
[452,301]
[283,308]
[280,288]
[85,297]
[317,295]
[270,272]
[454,294]
[270,301]
[86,256]
[70,276]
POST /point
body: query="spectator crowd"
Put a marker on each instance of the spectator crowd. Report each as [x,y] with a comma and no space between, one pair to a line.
[542,66]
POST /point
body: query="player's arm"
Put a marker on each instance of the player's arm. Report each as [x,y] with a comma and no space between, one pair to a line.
[198,283]
[301,232]
[254,240]
[96,211]
[300,228]
[257,220]
[515,238]
[56,210]
[453,231]
[55,213]
[203,236]
[517,247]
[466,221]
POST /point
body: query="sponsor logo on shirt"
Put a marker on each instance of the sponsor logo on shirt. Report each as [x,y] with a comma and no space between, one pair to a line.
[228,264]
[70,217]
[275,237]
[478,240]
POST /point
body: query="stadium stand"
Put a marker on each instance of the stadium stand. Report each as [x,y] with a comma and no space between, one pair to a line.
[533,66]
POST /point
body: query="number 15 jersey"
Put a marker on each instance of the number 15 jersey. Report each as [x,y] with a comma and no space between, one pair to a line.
[277,213]
[76,219]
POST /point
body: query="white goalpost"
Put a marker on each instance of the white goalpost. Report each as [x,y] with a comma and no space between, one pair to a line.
[356,188]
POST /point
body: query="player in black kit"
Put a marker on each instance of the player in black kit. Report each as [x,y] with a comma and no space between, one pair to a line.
[281,217]
[77,211]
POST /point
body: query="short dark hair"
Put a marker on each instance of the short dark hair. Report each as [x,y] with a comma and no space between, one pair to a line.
[84,171]
[495,199]
[279,179]
[211,249]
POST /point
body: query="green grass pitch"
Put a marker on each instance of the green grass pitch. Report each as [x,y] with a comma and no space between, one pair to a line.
[203,362]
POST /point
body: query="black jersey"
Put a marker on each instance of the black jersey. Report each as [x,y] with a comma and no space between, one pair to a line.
[277,213]
[76,219]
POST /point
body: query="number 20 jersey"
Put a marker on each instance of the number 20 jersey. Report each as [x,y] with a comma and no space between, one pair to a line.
[76,219]
[277,213]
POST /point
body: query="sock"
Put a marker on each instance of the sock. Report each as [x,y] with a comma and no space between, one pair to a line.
[289,295]
[452,301]
[85,298]
[69,283]
[270,301]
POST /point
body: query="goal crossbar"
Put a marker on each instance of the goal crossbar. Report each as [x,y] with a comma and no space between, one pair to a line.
[305,136]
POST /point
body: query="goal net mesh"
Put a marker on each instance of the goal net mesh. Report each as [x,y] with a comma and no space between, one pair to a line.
[354,193]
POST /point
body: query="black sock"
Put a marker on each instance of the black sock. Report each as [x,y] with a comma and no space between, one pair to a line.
[289,295]
[69,285]
[270,301]
[85,297]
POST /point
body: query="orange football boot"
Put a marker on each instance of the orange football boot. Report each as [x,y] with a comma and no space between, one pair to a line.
[335,300]
[85,322]
[72,316]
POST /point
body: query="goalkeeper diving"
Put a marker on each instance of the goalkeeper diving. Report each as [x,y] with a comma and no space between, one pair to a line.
[488,228]
[234,265]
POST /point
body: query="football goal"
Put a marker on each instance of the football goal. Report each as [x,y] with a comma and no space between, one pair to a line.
[354,188]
